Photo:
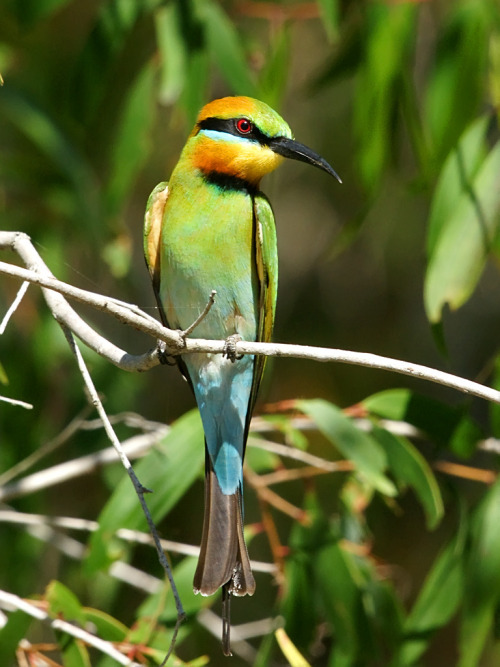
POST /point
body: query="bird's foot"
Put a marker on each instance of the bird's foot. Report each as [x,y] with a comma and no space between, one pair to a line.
[161,351]
[230,348]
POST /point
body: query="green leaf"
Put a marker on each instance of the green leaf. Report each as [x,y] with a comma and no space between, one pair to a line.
[448,426]
[224,45]
[4,378]
[274,75]
[11,634]
[132,140]
[169,470]
[409,467]
[455,91]
[338,580]
[290,651]
[108,627]
[462,248]
[173,52]
[456,178]
[359,447]
[437,602]
[75,654]
[161,604]
[482,577]
[387,43]
[63,603]
[329,11]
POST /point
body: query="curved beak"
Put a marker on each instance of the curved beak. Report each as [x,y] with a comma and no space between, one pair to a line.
[295,151]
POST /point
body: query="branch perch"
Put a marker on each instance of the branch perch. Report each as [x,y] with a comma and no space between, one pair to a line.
[54,289]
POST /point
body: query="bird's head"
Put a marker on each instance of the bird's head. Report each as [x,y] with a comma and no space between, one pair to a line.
[243,138]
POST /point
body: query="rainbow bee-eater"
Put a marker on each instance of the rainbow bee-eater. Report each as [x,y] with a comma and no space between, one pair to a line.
[210,228]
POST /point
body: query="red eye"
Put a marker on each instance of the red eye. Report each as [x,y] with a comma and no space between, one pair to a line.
[244,126]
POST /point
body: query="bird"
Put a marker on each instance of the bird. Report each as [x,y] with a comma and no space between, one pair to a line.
[211,229]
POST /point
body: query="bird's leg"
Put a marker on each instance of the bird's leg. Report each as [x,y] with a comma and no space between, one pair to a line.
[201,316]
[230,348]
[226,619]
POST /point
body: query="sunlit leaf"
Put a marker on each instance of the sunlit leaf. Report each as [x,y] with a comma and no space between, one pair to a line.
[291,653]
[456,178]
[359,447]
[63,603]
[461,250]
[173,52]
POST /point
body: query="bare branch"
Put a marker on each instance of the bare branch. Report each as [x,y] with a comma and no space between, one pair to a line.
[133,536]
[19,297]
[133,447]
[175,343]
[11,602]
[14,401]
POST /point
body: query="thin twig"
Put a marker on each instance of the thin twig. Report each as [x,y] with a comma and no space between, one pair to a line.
[201,317]
[466,472]
[17,403]
[13,307]
[139,488]
[273,498]
[45,449]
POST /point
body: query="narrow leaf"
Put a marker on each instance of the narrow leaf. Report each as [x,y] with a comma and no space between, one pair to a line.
[456,178]
[291,653]
[461,250]
[224,45]
[482,590]
[437,602]
[359,447]
[409,467]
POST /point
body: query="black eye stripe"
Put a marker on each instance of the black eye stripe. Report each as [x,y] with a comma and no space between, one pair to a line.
[229,126]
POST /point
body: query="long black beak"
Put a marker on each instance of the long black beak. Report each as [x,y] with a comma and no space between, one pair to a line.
[292,149]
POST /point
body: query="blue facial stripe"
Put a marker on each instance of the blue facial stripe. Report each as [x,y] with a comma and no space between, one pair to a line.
[226,136]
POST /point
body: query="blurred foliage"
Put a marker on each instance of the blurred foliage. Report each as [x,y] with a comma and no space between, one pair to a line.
[396,558]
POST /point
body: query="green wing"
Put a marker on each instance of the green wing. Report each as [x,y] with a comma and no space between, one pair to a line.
[152,237]
[266,257]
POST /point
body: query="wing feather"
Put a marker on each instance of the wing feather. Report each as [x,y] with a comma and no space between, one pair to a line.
[152,238]
[266,258]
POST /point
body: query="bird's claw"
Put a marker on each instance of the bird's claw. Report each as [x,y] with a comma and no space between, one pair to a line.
[161,351]
[230,348]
